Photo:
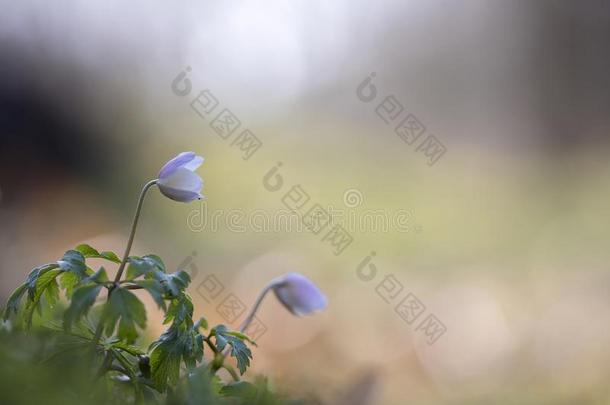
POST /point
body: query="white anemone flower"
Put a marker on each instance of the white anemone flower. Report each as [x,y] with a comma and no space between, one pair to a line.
[178,180]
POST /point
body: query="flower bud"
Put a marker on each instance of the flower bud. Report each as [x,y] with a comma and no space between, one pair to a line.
[178,180]
[299,294]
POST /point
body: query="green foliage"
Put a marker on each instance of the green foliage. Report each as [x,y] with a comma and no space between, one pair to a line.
[13,301]
[239,350]
[143,265]
[89,252]
[249,393]
[81,302]
[126,309]
[104,337]
[155,289]
[74,262]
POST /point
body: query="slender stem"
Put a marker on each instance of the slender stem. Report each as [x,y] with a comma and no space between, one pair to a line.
[212,345]
[100,326]
[254,308]
[252,313]
[133,230]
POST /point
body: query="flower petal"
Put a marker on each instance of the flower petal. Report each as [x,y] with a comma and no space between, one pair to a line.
[179,161]
[194,164]
[181,185]
[180,195]
[299,294]
[182,179]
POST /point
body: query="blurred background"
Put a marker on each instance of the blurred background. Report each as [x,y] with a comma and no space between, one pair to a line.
[504,237]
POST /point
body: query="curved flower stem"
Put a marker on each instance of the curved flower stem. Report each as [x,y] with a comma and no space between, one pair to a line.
[100,325]
[133,231]
[252,313]
[254,309]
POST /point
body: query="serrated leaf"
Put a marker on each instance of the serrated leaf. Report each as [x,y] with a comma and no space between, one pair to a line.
[239,350]
[51,293]
[173,284]
[98,277]
[13,301]
[242,336]
[126,309]
[89,252]
[45,279]
[143,265]
[242,354]
[177,343]
[165,359]
[108,255]
[69,281]
[179,310]
[32,279]
[83,299]
[155,289]
[73,261]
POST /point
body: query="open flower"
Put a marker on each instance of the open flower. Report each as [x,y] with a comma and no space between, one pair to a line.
[178,180]
[299,294]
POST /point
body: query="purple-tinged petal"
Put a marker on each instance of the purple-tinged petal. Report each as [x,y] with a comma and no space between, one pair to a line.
[194,164]
[180,195]
[182,179]
[177,162]
[299,294]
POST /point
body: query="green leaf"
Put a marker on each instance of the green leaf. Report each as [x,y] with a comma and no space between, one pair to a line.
[199,387]
[43,283]
[173,284]
[32,279]
[87,251]
[108,255]
[178,343]
[51,293]
[201,323]
[99,277]
[144,265]
[155,289]
[131,370]
[165,358]
[240,389]
[180,310]
[83,299]
[69,281]
[242,336]
[126,309]
[73,261]
[133,350]
[182,341]
[239,350]
[13,301]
